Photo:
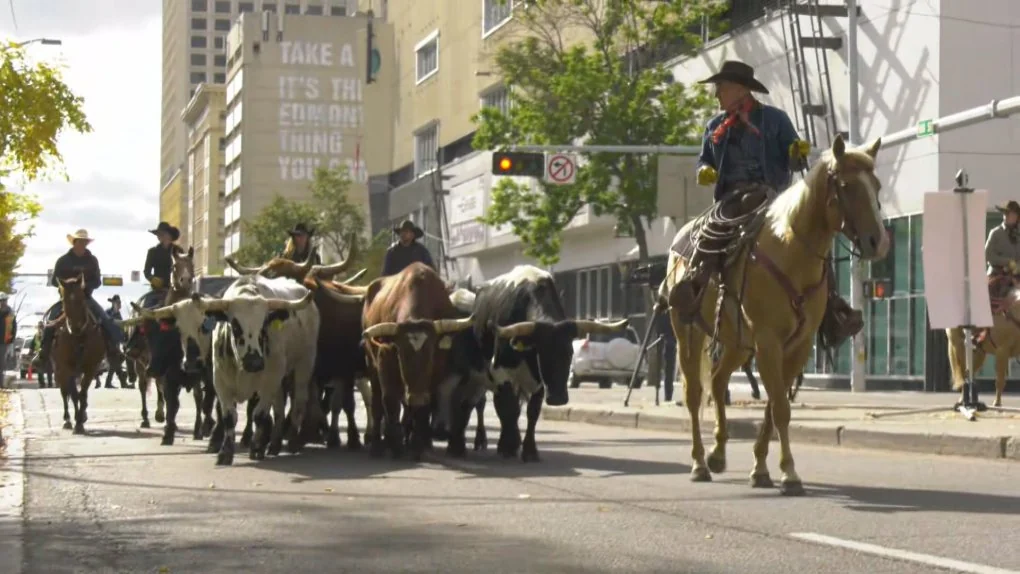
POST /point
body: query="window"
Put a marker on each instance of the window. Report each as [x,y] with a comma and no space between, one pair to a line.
[918,335]
[494,14]
[900,255]
[198,59]
[198,42]
[199,5]
[426,56]
[197,77]
[219,43]
[223,7]
[426,145]
[878,338]
[314,10]
[899,336]
[199,23]
[292,9]
[246,7]
[219,78]
[338,11]
[220,61]
[223,25]
[916,262]
[498,98]
[269,7]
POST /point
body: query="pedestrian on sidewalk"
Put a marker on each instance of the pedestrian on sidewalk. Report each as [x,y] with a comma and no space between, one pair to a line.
[667,353]
[9,327]
[114,313]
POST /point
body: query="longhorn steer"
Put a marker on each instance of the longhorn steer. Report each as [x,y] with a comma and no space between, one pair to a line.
[266,332]
[339,355]
[410,325]
[526,338]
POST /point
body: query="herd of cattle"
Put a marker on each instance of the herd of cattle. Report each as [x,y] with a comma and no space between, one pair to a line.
[430,354]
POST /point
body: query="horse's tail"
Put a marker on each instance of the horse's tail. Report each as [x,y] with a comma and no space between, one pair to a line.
[957,356]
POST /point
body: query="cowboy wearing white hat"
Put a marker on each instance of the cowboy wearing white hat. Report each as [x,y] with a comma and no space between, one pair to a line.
[77,260]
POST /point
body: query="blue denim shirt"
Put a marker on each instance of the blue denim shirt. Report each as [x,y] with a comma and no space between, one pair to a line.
[754,158]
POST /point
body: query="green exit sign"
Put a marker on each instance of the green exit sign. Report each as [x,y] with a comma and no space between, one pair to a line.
[925,128]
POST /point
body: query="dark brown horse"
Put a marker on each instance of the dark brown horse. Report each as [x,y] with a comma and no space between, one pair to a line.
[78,350]
[137,361]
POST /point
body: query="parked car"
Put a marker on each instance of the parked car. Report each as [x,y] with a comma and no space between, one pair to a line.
[606,359]
[25,356]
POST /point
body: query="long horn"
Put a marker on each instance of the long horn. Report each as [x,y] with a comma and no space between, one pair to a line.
[443,326]
[241,268]
[129,322]
[159,312]
[585,327]
[207,305]
[341,297]
[381,330]
[328,271]
[516,330]
[354,277]
[301,303]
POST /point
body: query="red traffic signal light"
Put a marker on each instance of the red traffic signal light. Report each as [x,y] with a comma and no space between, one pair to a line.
[878,288]
[519,164]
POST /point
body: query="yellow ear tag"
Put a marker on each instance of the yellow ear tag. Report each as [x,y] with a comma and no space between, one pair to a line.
[277,324]
[445,343]
[519,346]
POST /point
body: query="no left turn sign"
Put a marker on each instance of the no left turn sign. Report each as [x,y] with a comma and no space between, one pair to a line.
[561,169]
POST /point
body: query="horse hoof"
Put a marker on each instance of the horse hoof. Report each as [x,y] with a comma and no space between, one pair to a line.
[79,430]
[225,459]
[160,418]
[274,449]
[212,448]
[207,428]
[168,440]
[245,440]
[716,464]
[353,442]
[257,455]
[333,441]
[146,425]
[756,395]
[761,481]
[530,455]
[791,488]
[700,474]
[68,425]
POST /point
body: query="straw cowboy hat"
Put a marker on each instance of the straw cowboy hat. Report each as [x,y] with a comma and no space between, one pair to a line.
[301,229]
[408,225]
[80,234]
[170,230]
[738,73]
[1012,206]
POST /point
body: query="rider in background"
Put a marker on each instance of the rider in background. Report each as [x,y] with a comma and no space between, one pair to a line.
[159,262]
[299,247]
[406,250]
[752,148]
[1002,250]
[114,313]
[79,260]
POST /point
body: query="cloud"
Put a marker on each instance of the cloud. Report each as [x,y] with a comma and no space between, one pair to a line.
[54,18]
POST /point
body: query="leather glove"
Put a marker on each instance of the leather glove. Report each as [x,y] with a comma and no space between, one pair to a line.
[1012,265]
[156,283]
[707,175]
[799,149]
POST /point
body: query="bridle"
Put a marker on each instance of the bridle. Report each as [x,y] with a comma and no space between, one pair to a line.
[87,325]
[836,185]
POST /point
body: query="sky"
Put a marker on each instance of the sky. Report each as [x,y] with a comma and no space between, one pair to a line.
[112,50]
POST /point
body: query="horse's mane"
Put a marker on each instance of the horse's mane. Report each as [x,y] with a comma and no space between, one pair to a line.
[790,203]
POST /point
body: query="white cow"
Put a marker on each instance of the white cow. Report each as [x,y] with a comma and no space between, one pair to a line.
[270,331]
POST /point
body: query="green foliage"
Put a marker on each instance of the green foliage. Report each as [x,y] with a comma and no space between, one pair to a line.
[35,107]
[371,258]
[330,211]
[610,88]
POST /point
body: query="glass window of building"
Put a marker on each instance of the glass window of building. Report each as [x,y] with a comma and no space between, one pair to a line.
[199,24]
[199,42]
[222,7]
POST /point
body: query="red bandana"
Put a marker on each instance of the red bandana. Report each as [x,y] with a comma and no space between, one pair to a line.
[740,114]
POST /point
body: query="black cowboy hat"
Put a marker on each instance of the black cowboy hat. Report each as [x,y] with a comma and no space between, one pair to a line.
[738,73]
[301,228]
[114,299]
[1012,206]
[170,230]
[408,225]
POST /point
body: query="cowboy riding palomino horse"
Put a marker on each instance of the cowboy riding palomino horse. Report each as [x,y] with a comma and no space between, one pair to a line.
[781,258]
[78,350]
[1002,340]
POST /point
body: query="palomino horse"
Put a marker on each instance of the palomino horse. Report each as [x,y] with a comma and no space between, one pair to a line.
[1002,342]
[78,350]
[785,266]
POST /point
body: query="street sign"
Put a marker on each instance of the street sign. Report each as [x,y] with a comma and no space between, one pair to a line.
[925,128]
[561,168]
[517,163]
[113,281]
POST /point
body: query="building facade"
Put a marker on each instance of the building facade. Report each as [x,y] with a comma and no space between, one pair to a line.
[204,119]
[297,100]
[173,203]
[194,53]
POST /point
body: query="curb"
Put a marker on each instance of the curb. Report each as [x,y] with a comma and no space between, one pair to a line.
[994,448]
[12,490]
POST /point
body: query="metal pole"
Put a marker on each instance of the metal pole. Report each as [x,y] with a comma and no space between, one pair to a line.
[858,373]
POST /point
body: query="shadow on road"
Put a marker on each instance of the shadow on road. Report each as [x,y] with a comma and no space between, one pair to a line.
[879,499]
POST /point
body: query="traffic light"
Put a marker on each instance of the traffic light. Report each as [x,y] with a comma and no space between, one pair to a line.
[113,281]
[521,164]
[878,288]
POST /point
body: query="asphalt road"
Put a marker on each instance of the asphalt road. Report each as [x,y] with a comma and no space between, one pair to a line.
[602,500]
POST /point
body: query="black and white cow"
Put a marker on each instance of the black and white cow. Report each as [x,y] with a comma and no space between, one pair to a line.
[526,338]
[268,331]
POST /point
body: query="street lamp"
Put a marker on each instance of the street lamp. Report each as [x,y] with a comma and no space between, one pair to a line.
[43,41]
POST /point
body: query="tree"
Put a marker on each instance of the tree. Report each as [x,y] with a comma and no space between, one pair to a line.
[610,89]
[338,216]
[36,106]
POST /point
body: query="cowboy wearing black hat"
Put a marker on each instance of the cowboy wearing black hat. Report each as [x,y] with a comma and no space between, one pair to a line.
[158,261]
[114,313]
[299,247]
[749,151]
[407,250]
[1002,250]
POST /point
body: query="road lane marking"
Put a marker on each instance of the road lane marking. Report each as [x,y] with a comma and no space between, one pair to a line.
[937,561]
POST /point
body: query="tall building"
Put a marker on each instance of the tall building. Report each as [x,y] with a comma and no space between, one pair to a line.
[204,119]
[194,40]
[297,100]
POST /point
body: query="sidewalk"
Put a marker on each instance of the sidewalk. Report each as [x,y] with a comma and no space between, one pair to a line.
[827,418]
